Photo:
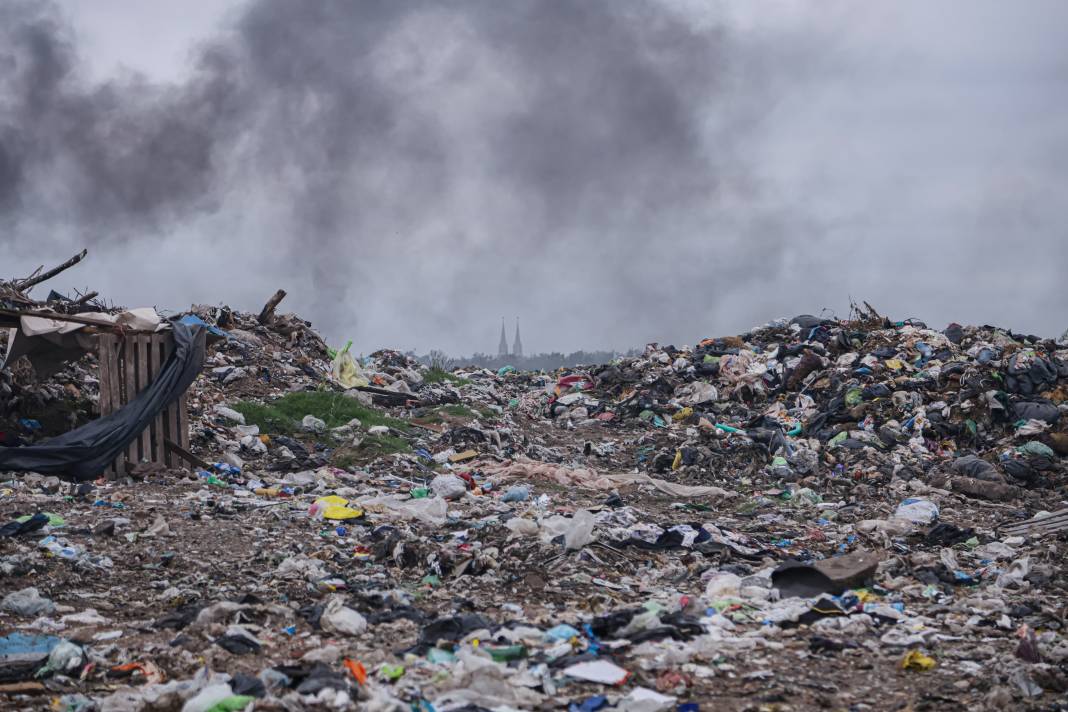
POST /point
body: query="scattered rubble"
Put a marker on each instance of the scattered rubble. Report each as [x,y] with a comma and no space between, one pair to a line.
[845,514]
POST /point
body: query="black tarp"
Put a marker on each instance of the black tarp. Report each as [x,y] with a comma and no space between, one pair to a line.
[84,453]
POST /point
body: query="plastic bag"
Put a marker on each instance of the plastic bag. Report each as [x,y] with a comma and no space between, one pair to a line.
[431,510]
[917,511]
[338,618]
[27,603]
[345,371]
[448,487]
[580,531]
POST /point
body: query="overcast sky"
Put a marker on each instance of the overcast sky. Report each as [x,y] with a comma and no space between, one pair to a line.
[612,172]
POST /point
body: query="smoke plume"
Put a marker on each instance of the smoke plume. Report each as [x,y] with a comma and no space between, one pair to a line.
[613,171]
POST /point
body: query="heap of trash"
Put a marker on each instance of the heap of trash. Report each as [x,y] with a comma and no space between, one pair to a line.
[820,513]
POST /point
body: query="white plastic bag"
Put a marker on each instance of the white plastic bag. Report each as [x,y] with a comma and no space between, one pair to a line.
[338,618]
[917,510]
[448,487]
[580,531]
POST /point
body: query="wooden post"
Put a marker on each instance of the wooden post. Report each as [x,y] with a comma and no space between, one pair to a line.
[267,313]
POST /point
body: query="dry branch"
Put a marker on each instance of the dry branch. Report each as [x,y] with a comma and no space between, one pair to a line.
[38,278]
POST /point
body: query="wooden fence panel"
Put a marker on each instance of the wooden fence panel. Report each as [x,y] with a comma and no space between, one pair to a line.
[127,366]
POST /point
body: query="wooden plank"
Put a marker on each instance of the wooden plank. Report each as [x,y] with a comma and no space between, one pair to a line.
[55,316]
[129,365]
[170,426]
[182,406]
[155,348]
[183,420]
[23,688]
[143,379]
[188,456]
[1047,523]
[103,357]
[114,367]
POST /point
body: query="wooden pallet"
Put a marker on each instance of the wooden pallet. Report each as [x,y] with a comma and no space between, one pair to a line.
[127,365]
[1037,526]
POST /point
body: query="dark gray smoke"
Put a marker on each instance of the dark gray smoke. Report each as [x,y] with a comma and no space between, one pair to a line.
[613,171]
[113,159]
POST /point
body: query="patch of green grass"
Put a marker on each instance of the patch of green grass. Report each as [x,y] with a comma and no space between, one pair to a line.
[439,375]
[346,458]
[383,445]
[746,507]
[457,411]
[453,410]
[270,420]
[372,446]
[283,416]
[463,411]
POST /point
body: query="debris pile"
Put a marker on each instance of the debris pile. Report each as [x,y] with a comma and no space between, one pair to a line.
[859,514]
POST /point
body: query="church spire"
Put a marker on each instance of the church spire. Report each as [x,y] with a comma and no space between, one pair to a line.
[517,349]
[502,349]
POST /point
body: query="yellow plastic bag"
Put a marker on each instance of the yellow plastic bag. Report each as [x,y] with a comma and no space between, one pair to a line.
[346,372]
[335,511]
[334,507]
[915,660]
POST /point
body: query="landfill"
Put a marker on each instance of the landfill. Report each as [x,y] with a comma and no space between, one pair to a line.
[848,514]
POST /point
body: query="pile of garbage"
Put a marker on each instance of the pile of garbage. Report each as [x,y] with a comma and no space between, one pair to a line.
[850,514]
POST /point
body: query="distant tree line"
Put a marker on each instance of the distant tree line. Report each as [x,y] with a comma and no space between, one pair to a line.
[534,362]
